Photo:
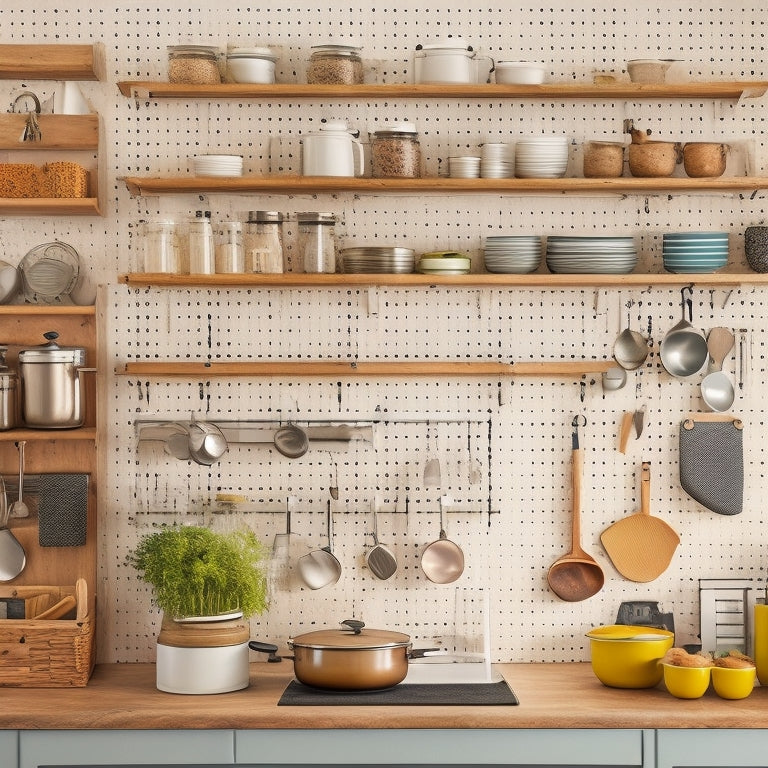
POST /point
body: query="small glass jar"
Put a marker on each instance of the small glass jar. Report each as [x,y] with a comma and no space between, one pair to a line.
[335,65]
[264,242]
[200,245]
[396,152]
[229,247]
[161,248]
[316,241]
[193,64]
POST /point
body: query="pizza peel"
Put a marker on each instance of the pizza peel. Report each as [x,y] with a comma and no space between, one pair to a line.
[641,546]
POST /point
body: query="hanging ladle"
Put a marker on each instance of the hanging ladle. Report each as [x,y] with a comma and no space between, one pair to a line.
[716,388]
[630,349]
[12,555]
[380,560]
[320,568]
[442,561]
[684,350]
[19,508]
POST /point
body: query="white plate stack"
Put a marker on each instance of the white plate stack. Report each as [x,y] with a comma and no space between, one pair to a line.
[465,167]
[497,161]
[541,157]
[218,165]
[512,254]
[591,255]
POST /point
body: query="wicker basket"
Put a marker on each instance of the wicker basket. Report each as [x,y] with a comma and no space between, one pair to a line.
[58,179]
[19,180]
[66,179]
[43,653]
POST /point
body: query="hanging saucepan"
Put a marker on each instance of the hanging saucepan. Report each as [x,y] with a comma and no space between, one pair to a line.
[684,350]
[352,658]
[291,440]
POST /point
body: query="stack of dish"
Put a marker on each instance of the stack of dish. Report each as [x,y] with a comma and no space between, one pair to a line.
[695,251]
[464,167]
[444,263]
[541,157]
[512,254]
[377,260]
[596,255]
[218,165]
[497,161]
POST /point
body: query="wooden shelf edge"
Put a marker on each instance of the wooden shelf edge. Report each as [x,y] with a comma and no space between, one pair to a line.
[581,90]
[37,435]
[53,61]
[39,310]
[535,280]
[59,132]
[372,368]
[50,206]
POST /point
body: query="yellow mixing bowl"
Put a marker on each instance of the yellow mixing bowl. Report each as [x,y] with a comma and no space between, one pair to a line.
[627,656]
[733,683]
[686,682]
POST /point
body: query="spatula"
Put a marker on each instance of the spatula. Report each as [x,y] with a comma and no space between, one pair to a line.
[640,546]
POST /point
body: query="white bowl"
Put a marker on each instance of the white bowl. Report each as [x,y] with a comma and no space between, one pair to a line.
[255,65]
[520,72]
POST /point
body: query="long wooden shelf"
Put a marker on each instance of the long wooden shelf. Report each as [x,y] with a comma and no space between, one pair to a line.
[43,310]
[37,435]
[76,132]
[537,280]
[53,61]
[365,368]
[622,90]
[296,185]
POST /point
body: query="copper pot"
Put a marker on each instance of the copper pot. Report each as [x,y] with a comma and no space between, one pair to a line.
[348,659]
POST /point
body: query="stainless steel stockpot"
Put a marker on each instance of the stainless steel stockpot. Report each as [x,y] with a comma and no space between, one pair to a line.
[52,386]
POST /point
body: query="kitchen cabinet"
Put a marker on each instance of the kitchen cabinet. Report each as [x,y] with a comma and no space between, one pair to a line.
[711,748]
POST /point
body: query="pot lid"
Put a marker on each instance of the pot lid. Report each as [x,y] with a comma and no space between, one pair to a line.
[397,128]
[252,53]
[450,44]
[338,45]
[352,635]
[51,352]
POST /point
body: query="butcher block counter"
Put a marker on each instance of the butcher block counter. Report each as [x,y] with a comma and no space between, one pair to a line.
[124,696]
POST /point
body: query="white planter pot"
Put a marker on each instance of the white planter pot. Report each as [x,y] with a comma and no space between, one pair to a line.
[202,670]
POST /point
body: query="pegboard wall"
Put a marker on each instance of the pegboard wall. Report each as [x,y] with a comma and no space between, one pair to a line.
[503,445]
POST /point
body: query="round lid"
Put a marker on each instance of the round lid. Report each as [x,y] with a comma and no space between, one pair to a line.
[397,128]
[251,53]
[51,352]
[450,44]
[265,217]
[193,50]
[311,217]
[340,46]
[334,126]
[352,635]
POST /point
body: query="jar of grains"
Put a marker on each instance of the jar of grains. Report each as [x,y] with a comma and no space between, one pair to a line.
[396,152]
[193,64]
[335,65]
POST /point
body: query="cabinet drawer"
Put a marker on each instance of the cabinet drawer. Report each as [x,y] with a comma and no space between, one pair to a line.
[719,748]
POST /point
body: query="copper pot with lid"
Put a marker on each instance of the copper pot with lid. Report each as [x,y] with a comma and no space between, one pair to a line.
[351,658]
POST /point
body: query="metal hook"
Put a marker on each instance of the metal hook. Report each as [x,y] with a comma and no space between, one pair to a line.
[27,94]
[583,386]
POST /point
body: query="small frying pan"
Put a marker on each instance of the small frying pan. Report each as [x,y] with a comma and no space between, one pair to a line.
[291,441]
[380,559]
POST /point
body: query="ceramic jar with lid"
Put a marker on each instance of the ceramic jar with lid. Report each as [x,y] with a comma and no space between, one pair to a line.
[193,64]
[396,152]
[251,65]
[451,61]
[335,64]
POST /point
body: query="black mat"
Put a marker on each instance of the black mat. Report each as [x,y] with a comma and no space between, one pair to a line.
[464,694]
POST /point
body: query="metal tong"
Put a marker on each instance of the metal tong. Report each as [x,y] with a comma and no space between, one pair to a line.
[32,130]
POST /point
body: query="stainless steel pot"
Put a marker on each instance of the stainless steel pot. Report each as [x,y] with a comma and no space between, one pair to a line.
[8,394]
[52,386]
[349,659]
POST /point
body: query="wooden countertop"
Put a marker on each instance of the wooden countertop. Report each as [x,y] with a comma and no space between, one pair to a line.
[551,696]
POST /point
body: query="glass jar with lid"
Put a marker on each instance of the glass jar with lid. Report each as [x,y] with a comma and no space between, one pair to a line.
[316,242]
[396,152]
[193,64]
[161,248]
[335,64]
[228,240]
[200,244]
[264,242]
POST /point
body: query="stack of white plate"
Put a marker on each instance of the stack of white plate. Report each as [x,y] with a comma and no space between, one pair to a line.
[378,260]
[218,165]
[497,161]
[541,157]
[695,251]
[512,254]
[591,255]
[464,167]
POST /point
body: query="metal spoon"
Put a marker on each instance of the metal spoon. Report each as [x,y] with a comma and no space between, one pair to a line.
[12,555]
[320,568]
[716,388]
[19,508]
[630,349]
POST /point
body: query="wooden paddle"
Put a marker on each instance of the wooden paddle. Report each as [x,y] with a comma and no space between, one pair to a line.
[641,546]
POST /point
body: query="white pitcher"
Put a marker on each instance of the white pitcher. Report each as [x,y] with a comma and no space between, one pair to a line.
[332,151]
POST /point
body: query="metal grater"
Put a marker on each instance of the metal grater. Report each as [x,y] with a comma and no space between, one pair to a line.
[725,609]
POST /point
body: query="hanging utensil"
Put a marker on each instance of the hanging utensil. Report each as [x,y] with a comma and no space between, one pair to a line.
[12,555]
[716,388]
[320,568]
[49,273]
[281,553]
[292,441]
[684,349]
[432,475]
[443,560]
[380,559]
[630,349]
[575,576]
[19,508]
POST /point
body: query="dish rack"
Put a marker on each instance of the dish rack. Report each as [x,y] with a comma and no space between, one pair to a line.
[726,610]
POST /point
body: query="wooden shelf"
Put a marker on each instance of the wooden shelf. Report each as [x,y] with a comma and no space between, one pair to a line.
[37,435]
[52,62]
[535,280]
[297,185]
[624,90]
[362,369]
[76,132]
[50,206]
[45,310]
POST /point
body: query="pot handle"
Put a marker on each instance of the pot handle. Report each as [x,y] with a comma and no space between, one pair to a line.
[421,653]
[269,648]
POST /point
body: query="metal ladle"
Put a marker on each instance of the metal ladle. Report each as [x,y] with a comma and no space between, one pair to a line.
[13,558]
[320,568]
[380,559]
[684,350]
[442,561]
[716,388]
[630,349]
[19,508]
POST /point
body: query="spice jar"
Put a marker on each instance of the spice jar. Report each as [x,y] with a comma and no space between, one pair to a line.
[200,244]
[335,65]
[193,64]
[316,242]
[161,246]
[396,152]
[264,242]
[229,247]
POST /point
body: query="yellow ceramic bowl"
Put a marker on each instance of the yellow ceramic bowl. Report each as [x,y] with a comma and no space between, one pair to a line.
[627,656]
[733,683]
[686,682]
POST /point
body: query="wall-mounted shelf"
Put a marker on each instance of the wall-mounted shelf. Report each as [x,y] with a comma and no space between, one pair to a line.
[40,435]
[366,368]
[52,62]
[624,90]
[307,185]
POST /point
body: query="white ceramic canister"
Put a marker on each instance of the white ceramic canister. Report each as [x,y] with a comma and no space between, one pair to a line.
[451,61]
[332,151]
[251,65]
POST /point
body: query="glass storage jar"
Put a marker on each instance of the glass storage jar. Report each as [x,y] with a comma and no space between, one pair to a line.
[316,241]
[200,244]
[229,247]
[264,242]
[161,251]
[193,64]
[334,64]
[396,152]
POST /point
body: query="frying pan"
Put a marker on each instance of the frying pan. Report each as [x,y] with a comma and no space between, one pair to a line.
[641,546]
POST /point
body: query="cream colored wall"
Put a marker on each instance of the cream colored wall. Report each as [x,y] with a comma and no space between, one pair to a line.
[513,521]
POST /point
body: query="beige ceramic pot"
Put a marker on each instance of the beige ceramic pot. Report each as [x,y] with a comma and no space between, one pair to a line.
[603,160]
[702,159]
[653,159]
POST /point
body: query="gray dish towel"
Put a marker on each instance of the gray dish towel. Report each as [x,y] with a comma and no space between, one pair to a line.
[63,509]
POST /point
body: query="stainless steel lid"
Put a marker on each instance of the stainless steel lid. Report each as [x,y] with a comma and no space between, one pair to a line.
[264,217]
[51,352]
[311,217]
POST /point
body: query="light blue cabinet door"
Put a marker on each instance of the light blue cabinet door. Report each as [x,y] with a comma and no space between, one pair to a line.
[706,748]
[9,749]
[624,748]
[125,748]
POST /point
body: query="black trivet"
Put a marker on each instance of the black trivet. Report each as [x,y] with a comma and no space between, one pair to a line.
[459,694]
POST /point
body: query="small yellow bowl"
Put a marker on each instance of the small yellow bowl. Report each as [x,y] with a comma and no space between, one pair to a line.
[686,682]
[733,683]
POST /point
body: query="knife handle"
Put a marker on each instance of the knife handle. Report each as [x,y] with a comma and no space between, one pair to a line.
[626,427]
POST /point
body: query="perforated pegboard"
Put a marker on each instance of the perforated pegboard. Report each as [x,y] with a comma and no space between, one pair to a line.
[504,444]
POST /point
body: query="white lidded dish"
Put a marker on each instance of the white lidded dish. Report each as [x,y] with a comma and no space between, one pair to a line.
[520,72]
[251,65]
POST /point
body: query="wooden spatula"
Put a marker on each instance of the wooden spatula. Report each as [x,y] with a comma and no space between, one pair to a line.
[640,546]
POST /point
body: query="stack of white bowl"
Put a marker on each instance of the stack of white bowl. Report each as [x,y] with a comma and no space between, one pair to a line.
[541,157]
[464,167]
[688,252]
[512,254]
[497,161]
[218,165]
[591,255]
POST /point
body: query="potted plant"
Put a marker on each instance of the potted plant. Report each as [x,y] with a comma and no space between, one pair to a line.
[207,584]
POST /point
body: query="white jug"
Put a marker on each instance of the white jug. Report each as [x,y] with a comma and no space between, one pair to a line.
[451,61]
[332,151]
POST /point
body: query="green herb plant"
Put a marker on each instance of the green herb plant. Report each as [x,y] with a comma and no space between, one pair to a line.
[195,571]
